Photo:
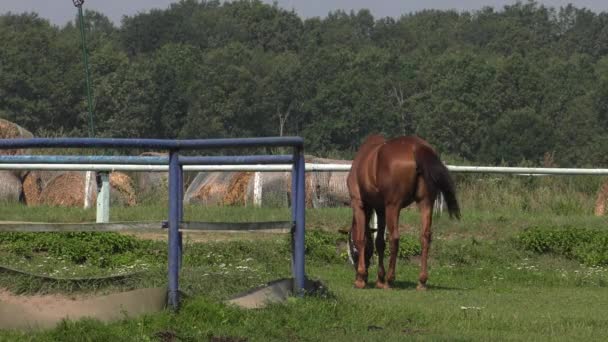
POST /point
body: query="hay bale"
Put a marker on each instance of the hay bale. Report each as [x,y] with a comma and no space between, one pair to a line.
[328,189]
[275,189]
[152,184]
[208,188]
[122,191]
[238,192]
[67,189]
[220,188]
[323,189]
[10,187]
[10,130]
[600,203]
[33,184]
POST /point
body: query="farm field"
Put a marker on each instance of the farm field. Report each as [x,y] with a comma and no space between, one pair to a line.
[487,282]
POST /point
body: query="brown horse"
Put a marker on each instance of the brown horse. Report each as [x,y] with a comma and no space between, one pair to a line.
[386,176]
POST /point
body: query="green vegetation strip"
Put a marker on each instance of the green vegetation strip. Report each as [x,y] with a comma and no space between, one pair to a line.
[77,227]
[588,246]
[4,268]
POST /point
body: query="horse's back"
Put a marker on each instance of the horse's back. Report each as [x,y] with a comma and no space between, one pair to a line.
[383,169]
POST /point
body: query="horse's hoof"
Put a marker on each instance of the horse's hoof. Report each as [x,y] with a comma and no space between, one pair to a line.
[421,287]
[360,284]
[382,285]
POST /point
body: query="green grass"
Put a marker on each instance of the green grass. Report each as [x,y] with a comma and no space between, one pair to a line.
[483,286]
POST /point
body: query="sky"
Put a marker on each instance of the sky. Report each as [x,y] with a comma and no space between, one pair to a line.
[59,12]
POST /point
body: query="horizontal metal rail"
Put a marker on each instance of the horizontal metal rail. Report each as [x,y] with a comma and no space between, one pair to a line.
[162,144]
[282,226]
[204,165]
[236,226]
[146,160]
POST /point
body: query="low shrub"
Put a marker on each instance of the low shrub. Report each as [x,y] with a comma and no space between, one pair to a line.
[99,249]
[588,246]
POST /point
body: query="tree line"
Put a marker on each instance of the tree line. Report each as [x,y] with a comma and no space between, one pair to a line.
[521,84]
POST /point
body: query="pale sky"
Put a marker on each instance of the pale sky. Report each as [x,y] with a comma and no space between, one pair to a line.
[60,12]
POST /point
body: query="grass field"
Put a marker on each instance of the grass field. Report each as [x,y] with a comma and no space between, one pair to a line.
[484,285]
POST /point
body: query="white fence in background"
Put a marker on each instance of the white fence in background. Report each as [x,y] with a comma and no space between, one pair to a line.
[103,196]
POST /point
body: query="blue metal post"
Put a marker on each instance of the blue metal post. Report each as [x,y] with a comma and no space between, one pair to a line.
[300,206]
[180,205]
[173,295]
[294,200]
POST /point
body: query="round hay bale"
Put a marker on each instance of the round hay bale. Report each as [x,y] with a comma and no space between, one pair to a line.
[313,198]
[67,189]
[33,184]
[237,191]
[208,188]
[275,189]
[602,197]
[10,130]
[328,189]
[10,187]
[338,190]
[122,191]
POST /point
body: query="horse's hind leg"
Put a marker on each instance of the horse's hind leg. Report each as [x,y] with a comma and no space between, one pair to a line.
[369,239]
[359,233]
[380,247]
[426,212]
[392,222]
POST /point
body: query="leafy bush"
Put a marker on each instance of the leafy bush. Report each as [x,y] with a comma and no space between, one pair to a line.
[321,245]
[408,246]
[99,249]
[584,245]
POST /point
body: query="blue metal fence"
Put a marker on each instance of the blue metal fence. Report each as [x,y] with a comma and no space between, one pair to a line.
[176,162]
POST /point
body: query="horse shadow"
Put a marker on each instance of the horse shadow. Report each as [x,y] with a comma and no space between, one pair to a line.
[409,285]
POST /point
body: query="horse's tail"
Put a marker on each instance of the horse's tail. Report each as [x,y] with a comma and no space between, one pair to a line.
[437,177]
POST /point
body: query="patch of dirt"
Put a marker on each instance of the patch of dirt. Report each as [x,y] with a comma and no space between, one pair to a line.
[49,307]
[46,311]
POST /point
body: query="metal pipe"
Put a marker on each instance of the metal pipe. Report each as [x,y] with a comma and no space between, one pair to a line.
[165,144]
[180,209]
[144,160]
[173,295]
[283,167]
[61,159]
[300,272]
[236,160]
[294,191]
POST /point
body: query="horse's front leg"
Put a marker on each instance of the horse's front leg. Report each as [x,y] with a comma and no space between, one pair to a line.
[426,213]
[359,240]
